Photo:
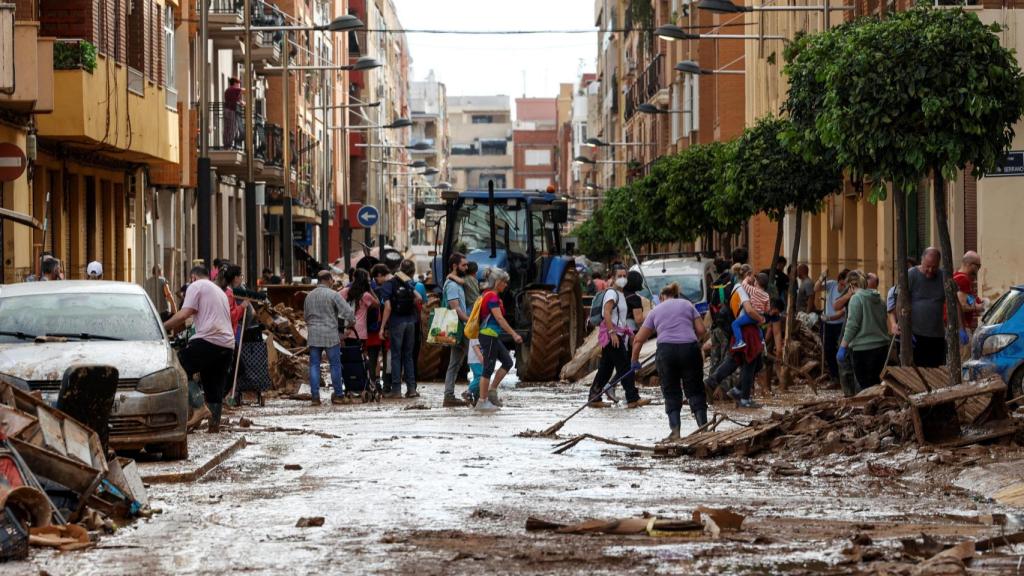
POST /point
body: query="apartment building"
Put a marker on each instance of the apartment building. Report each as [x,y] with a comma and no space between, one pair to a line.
[481,141]
[535,143]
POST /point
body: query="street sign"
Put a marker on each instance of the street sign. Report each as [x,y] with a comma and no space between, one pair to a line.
[367,216]
[1012,165]
[12,162]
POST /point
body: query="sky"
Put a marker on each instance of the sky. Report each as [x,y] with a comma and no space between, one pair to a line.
[513,65]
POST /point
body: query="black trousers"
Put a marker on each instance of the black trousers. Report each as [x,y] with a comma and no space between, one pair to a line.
[211,362]
[868,365]
[929,352]
[833,334]
[617,360]
[681,370]
[747,373]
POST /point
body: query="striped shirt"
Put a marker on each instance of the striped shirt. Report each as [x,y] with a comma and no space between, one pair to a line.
[322,310]
[758,297]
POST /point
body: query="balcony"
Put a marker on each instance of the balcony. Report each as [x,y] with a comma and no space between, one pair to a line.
[266,49]
[26,65]
[133,124]
[226,140]
[645,87]
[270,149]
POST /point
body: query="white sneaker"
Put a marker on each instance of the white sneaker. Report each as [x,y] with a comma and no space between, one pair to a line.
[486,406]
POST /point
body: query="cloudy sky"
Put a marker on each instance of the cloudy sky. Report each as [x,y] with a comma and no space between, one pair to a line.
[500,64]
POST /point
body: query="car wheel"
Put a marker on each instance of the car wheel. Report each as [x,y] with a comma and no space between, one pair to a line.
[176,451]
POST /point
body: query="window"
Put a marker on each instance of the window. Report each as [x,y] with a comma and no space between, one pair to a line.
[493,147]
[169,47]
[538,157]
[499,180]
[537,183]
[483,119]
[463,150]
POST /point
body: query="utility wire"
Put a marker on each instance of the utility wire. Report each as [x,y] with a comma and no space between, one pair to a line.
[529,32]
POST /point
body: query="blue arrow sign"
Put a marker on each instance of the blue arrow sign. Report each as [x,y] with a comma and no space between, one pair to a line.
[367,216]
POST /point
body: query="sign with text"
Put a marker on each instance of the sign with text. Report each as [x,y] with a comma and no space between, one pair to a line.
[1011,165]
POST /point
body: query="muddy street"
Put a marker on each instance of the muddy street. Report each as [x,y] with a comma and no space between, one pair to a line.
[409,487]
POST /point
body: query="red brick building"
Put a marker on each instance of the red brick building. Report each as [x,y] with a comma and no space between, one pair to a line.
[535,142]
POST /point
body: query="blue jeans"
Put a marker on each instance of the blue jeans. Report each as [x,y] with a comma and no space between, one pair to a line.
[739,323]
[403,337]
[334,357]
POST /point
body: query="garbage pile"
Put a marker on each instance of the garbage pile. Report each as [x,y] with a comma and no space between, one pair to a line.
[287,352]
[59,486]
[910,405]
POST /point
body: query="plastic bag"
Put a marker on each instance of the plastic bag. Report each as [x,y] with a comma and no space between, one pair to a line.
[444,327]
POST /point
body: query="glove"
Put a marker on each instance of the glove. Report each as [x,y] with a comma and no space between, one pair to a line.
[636,366]
[841,355]
[964,338]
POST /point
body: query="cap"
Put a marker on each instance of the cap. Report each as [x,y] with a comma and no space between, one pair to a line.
[94,269]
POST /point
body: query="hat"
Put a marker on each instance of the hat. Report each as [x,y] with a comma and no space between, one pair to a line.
[94,269]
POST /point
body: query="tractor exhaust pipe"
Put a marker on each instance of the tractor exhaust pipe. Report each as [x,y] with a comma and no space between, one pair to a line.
[494,227]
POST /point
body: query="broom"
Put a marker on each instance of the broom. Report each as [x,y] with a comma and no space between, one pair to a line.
[554,428]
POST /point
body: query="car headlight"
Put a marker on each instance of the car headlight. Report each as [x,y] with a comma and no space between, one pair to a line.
[996,343]
[16,382]
[162,381]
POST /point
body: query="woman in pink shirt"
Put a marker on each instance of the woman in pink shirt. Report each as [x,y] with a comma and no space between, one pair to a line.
[361,298]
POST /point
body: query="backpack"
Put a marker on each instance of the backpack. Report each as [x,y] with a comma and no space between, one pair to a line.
[718,303]
[472,328]
[597,309]
[403,298]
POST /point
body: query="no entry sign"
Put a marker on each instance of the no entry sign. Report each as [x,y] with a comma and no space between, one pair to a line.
[12,162]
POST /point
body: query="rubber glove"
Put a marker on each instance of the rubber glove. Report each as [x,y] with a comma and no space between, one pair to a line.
[964,338]
[841,355]
[636,366]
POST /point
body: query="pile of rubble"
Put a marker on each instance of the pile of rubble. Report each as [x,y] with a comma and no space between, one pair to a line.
[911,405]
[59,486]
[287,353]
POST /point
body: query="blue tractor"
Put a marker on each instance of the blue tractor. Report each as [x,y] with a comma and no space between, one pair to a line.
[519,232]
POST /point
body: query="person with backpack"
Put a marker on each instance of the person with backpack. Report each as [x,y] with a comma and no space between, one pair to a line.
[489,315]
[750,358]
[615,337]
[399,322]
[361,298]
[636,309]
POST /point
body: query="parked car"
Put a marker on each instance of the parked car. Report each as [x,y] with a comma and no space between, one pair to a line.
[694,276]
[998,343]
[46,327]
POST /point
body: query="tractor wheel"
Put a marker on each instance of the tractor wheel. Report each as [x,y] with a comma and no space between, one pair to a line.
[571,299]
[539,358]
[433,360]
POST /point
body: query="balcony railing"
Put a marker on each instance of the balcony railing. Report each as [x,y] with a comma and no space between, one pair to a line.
[74,54]
[227,128]
[645,86]
[273,149]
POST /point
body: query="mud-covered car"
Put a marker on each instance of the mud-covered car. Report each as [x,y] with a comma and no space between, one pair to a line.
[47,327]
[998,343]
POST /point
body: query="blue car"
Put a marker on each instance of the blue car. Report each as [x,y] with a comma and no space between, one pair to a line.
[998,343]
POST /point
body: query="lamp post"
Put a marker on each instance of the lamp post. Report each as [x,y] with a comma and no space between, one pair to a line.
[205,174]
[598,143]
[691,67]
[591,161]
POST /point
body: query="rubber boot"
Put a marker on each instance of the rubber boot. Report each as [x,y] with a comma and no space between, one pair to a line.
[701,416]
[215,411]
[672,437]
[492,395]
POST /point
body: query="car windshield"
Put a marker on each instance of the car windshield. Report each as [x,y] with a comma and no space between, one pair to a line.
[100,316]
[689,286]
[1004,308]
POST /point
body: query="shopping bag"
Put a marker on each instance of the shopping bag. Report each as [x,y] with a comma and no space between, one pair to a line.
[444,327]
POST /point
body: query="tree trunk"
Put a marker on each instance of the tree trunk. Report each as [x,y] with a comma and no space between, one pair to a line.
[775,258]
[952,304]
[899,204]
[791,311]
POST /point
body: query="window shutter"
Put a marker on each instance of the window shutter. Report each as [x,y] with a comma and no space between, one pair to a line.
[158,41]
[137,36]
[970,210]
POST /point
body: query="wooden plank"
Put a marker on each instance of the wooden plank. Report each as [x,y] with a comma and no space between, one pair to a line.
[178,477]
[14,422]
[77,439]
[53,436]
[991,385]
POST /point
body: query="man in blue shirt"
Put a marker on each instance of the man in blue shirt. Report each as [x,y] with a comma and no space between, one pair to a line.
[834,317]
[400,321]
[455,299]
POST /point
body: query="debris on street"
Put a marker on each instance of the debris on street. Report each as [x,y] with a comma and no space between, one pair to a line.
[310,522]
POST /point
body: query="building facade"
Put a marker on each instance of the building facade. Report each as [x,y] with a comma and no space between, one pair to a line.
[535,143]
[481,142]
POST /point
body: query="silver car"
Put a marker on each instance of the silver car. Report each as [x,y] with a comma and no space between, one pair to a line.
[47,327]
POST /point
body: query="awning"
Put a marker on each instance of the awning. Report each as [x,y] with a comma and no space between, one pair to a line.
[20,218]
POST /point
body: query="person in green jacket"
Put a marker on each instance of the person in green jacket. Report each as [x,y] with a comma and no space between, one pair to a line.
[866,334]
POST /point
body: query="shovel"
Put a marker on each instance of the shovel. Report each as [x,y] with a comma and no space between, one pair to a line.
[554,428]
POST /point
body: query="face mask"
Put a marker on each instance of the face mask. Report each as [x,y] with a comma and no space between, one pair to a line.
[620,282]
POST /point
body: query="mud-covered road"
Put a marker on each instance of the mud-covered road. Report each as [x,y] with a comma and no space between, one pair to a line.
[447,491]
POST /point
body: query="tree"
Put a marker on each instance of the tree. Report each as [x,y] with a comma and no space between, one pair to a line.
[925,91]
[769,174]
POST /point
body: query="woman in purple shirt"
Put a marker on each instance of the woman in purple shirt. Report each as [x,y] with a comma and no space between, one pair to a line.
[679,329]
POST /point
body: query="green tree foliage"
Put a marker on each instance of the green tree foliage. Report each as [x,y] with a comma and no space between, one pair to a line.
[767,176]
[893,98]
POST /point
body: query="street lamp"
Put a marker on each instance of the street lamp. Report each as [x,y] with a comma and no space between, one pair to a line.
[397,123]
[427,172]
[419,146]
[364,63]
[691,67]
[345,23]
[598,143]
[670,33]
[584,160]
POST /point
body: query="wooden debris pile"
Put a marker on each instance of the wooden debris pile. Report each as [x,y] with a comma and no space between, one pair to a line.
[287,354]
[910,405]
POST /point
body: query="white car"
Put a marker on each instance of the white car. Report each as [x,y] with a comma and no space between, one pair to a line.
[694,276]
[47,327]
